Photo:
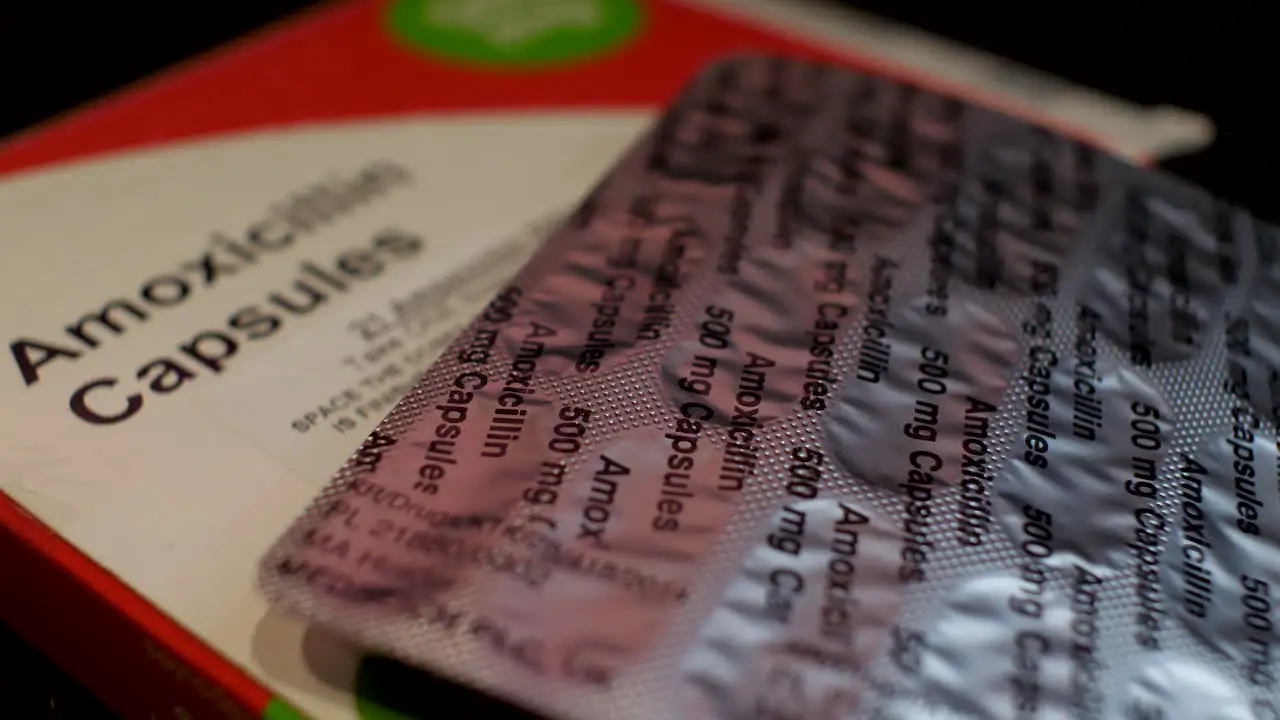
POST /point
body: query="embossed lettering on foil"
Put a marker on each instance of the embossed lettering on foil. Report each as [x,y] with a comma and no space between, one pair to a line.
[1096,458]
[838,398]
[1223,567]
[812,606]
[906,426]
[1162,275]
[1020,627]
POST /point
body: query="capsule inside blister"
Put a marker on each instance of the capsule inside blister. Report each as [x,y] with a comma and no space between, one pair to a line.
[811,608]
[837,398]
[1163,269]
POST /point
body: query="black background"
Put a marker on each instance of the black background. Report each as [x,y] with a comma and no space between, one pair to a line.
[1209,57]
[1205,56]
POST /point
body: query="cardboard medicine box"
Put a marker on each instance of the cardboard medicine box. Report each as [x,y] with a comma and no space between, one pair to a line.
[218,280]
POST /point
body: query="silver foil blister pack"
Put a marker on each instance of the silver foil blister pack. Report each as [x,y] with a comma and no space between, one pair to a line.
[838,398]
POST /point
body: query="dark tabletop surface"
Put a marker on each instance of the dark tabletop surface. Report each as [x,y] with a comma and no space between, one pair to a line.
[35,689]
[1209,57]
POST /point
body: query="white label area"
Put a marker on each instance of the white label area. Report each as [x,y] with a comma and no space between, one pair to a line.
[348,369]
[133,426]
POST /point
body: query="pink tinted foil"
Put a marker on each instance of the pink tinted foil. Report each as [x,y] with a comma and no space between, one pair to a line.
[837,399]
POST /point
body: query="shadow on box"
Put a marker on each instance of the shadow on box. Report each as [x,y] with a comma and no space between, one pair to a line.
[295,653]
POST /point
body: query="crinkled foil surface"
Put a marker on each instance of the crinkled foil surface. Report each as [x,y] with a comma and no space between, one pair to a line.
[838,399]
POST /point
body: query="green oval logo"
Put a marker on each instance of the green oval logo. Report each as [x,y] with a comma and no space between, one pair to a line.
[515,33]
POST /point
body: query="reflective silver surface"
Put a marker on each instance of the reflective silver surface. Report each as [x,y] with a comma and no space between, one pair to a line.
[837,398]
[812,606]
[1095,460]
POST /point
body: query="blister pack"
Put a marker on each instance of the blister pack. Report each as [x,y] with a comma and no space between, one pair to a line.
[837,398]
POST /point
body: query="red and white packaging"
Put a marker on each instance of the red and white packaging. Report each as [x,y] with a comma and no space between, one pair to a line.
[202,268]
